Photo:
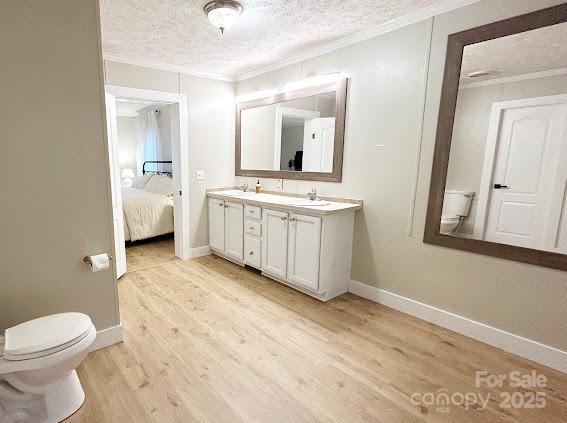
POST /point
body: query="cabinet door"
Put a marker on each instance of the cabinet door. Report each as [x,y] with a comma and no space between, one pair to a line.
[304,246]
[274,242]
[252,251]
[216,224]
[234,230]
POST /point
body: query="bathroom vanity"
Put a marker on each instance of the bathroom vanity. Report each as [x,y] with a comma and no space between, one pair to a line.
[303,243]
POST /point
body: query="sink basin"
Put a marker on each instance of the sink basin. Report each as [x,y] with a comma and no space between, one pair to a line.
[238,193]
[303,202]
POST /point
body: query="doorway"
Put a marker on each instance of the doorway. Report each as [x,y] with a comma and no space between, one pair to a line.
[154,181]
[523,193]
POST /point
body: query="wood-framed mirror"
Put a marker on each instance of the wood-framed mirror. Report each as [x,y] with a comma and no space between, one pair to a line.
[293,135]
[499,177]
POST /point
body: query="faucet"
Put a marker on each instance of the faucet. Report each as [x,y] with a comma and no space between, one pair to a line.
[312,195]
[244,187]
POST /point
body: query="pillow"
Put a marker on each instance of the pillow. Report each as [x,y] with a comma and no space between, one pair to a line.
[141,181]
[160,184]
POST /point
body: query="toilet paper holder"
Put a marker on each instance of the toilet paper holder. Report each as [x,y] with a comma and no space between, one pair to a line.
[87,260]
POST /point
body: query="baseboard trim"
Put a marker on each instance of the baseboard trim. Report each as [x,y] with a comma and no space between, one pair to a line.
[526,348]
[199,252]
[106,337]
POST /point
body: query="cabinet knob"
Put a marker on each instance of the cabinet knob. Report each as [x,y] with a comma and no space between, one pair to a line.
[284,218]
[292,219]
[221,204]
[251,253]
[226,207]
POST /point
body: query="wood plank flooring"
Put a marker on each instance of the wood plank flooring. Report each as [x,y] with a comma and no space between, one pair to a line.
[208,341]
[145,254]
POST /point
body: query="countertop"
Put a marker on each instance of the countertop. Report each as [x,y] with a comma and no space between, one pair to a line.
[282,201]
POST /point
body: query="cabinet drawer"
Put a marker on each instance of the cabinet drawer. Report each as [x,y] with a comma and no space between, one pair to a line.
[253,228]
[252,252]
[253,212]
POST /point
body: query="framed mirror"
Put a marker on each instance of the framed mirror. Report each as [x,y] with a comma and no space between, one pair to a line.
[499,178]
[293,135]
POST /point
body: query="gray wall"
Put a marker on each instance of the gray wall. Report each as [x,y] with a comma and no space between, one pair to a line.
[210,105]
[127,128]
[471,129]
[390,77]
[54,174]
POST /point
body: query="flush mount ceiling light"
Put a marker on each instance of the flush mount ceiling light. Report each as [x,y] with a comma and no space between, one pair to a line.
[223,13]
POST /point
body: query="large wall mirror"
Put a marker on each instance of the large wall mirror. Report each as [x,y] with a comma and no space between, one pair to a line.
[295,135]
[499,180]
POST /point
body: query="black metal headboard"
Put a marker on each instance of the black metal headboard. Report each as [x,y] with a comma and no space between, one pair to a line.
[157,165]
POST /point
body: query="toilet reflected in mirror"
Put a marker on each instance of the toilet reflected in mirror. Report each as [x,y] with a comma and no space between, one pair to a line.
[456,208]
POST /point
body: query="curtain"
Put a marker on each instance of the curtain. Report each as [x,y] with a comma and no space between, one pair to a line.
[149,141]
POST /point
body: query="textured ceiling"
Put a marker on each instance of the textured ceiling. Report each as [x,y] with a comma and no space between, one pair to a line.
[178,33]
[528,52]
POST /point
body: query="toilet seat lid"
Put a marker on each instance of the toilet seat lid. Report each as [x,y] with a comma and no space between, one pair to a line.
[45,335]
[448,219]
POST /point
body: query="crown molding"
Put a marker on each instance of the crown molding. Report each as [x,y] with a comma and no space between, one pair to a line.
[364,35]
[186,70]
[515,78]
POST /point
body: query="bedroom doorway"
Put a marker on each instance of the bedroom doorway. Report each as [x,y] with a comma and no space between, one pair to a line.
[147,142]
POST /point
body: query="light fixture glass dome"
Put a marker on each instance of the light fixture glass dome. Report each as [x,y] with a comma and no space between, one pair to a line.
[223,13]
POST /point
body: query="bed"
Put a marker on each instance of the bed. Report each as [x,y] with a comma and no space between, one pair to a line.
[148,205]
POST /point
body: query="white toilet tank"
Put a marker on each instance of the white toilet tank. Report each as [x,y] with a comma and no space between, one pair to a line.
[457,203]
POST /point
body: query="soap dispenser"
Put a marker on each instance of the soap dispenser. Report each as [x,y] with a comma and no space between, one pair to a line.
[258,187]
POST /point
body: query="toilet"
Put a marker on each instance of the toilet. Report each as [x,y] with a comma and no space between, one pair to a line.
[38,358]
[456,206]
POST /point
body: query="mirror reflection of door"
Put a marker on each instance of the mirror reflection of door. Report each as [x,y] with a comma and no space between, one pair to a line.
[294,135]
[507,173]
[319,144]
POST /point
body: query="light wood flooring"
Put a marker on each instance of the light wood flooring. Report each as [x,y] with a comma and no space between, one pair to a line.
[149,253]
[208,341]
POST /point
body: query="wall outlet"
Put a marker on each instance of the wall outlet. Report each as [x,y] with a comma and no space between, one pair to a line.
[279,184]
[200,175]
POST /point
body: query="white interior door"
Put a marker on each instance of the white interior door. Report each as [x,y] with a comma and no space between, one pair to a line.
[274,242]
[234,230]
[318,145]
[304,246]
[525,172]
[115,185]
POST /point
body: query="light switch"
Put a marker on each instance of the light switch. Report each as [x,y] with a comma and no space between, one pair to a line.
[200,175]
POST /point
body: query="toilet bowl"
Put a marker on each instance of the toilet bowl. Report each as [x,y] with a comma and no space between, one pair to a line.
[449,224]
[38,380]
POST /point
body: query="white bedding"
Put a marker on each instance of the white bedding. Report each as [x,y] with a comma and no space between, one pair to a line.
[146,214]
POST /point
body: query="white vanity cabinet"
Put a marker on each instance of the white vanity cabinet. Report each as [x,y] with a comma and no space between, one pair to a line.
[253,236]
[274,242]
[292,243]
[216,224]
[303,250]
[310,253]
[233,230]
[306,248]
[226,228]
